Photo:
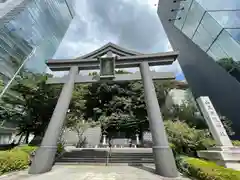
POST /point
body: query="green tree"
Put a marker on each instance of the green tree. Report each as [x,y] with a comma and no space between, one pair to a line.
[33,103]
[229,64]
[121,104]
[189,113]
[80,125]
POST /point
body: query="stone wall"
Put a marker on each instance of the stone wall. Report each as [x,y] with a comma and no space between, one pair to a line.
[93,137]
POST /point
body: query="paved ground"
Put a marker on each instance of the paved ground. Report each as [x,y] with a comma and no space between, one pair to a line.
[71,172]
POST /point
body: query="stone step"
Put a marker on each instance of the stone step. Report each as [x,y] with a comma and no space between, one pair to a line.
[100,164]
[110,160]
[112,155]
[100,156]
[130,161]
[104,160]
[131,155]
[82,160]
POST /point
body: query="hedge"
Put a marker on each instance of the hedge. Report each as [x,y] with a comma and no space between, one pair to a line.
[25,148]
[236,143]
[18,158]
[205,170]
[13,160]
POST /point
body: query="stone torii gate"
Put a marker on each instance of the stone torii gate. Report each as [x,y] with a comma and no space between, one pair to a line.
[115,57]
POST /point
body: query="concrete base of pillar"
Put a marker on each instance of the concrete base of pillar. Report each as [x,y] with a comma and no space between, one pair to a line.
[228,157]
[43,156]
[164,159]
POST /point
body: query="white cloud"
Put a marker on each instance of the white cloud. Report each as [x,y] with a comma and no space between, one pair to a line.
[118,21]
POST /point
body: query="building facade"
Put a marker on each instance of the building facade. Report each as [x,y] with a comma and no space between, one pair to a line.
[175,97]
[205,32]
[30,32]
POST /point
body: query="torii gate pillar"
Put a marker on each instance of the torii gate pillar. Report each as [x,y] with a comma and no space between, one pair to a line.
[163,155]
[45,155]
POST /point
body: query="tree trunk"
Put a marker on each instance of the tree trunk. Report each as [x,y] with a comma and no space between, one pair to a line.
[80,139]
[20,138]
[27,137]
[36,141]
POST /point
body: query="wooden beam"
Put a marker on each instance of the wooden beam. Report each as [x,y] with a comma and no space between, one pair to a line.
[80,79]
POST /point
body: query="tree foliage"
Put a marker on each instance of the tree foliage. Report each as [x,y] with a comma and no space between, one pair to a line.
[32,104]
[228,64]
[189,112]
[186,139]
[113,106]
[79,125]
[116,106]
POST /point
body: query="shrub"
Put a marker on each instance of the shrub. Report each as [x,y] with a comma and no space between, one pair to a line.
[18,158]
[236,143]
[205,170]
[25,148]
[173,147]
[60,148]
[13,161]
[187,140]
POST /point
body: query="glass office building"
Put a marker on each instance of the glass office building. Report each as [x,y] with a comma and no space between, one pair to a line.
[206,33]
[213,25]
[30,32]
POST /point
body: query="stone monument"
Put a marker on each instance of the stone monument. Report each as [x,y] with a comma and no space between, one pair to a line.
[224,153]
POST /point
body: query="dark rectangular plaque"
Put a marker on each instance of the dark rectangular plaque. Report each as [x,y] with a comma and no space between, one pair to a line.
[107,67]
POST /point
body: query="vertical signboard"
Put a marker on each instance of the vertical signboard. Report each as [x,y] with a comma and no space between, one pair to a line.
[214,123]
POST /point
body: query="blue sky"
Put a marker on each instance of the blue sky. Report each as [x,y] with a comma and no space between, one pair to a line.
[131,24]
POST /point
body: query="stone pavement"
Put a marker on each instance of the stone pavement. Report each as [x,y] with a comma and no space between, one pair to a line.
[74,172]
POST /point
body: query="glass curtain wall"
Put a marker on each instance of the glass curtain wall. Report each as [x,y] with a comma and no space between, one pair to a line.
[213,26]
[34,34]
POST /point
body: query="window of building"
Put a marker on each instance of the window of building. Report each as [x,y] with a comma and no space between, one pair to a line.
[231,47]
[211,25]
[227,45]
[37,30]
[202,38]
[217,52]
[227,19]
[182,13]
[219,4]
[193,19]
[235,33]
[207,32]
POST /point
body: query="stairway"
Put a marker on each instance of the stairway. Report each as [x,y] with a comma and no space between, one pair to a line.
[83,156]
[103,156]
[131,158]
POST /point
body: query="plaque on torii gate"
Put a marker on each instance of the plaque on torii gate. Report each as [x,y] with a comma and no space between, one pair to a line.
[163,156]
[107,66]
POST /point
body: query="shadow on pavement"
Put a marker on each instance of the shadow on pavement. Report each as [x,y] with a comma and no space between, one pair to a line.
[144,167]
